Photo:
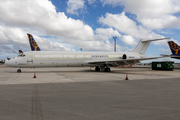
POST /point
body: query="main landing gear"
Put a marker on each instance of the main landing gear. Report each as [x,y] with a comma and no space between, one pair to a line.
[106,69]
[19,70]
[97,69]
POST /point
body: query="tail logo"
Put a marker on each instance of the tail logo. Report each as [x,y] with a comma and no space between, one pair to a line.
[33,43]
[174,47]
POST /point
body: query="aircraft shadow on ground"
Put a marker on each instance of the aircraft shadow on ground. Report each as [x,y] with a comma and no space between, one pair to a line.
[78,71]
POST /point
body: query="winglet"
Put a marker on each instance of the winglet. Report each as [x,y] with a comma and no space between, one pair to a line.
[174,48]
[33,44]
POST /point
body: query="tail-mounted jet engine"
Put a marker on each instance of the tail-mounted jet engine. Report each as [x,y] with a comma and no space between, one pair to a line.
[131,56]
[124,56]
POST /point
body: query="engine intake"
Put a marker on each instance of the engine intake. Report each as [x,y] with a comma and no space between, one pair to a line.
[130,56]
[124,56]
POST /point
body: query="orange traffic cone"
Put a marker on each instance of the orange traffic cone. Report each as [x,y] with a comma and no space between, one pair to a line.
[126,77]
[34,75]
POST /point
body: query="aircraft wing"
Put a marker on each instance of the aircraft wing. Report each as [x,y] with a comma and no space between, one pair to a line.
[122,61]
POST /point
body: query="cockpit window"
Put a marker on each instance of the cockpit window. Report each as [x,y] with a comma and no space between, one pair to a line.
[21,55]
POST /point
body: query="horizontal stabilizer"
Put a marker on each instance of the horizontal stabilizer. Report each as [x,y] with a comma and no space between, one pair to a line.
[148,39]
[144,44]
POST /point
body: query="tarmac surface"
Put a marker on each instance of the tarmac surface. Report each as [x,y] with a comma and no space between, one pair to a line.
[82,94]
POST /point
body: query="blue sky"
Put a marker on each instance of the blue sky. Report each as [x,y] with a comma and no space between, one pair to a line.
[69,25]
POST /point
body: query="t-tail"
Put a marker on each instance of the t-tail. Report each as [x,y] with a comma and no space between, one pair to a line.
[33,44]
[175,48]
[144,44]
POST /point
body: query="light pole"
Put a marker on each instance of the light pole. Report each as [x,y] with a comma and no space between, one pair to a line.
[114,43]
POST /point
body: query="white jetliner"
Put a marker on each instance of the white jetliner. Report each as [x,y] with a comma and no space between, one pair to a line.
[102,61]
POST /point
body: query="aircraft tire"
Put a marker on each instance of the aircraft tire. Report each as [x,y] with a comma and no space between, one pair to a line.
[97,69]
[107,69]
[19,70]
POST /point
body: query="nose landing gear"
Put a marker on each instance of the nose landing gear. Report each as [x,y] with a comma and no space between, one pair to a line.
[19,70]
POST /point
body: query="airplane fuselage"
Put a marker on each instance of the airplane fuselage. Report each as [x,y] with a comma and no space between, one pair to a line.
[34,59]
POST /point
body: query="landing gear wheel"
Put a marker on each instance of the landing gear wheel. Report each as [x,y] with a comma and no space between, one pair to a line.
[107,69]
[97,69]
[19,70]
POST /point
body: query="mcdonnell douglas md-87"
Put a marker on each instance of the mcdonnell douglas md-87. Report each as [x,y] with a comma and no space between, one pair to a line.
[102,61]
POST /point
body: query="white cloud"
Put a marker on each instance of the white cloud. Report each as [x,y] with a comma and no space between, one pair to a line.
[75,5]
[12,34]
[152,14]
[40,18]
[128,27]
[151,9]
[119,21]
[166,21]
[112,2]
[155,14]
[91,1]
[106,33]
[13,39]
[127,39]
[42,15]
[166,51]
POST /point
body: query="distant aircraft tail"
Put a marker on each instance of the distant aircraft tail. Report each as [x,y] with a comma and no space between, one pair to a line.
[174,48]
[33,44]
[144,44]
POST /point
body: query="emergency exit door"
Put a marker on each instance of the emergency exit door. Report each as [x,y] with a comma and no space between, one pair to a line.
[29,58]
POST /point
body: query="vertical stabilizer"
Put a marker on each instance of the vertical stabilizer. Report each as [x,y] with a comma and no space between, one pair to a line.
[144,44]
[174,48]
[33,44]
